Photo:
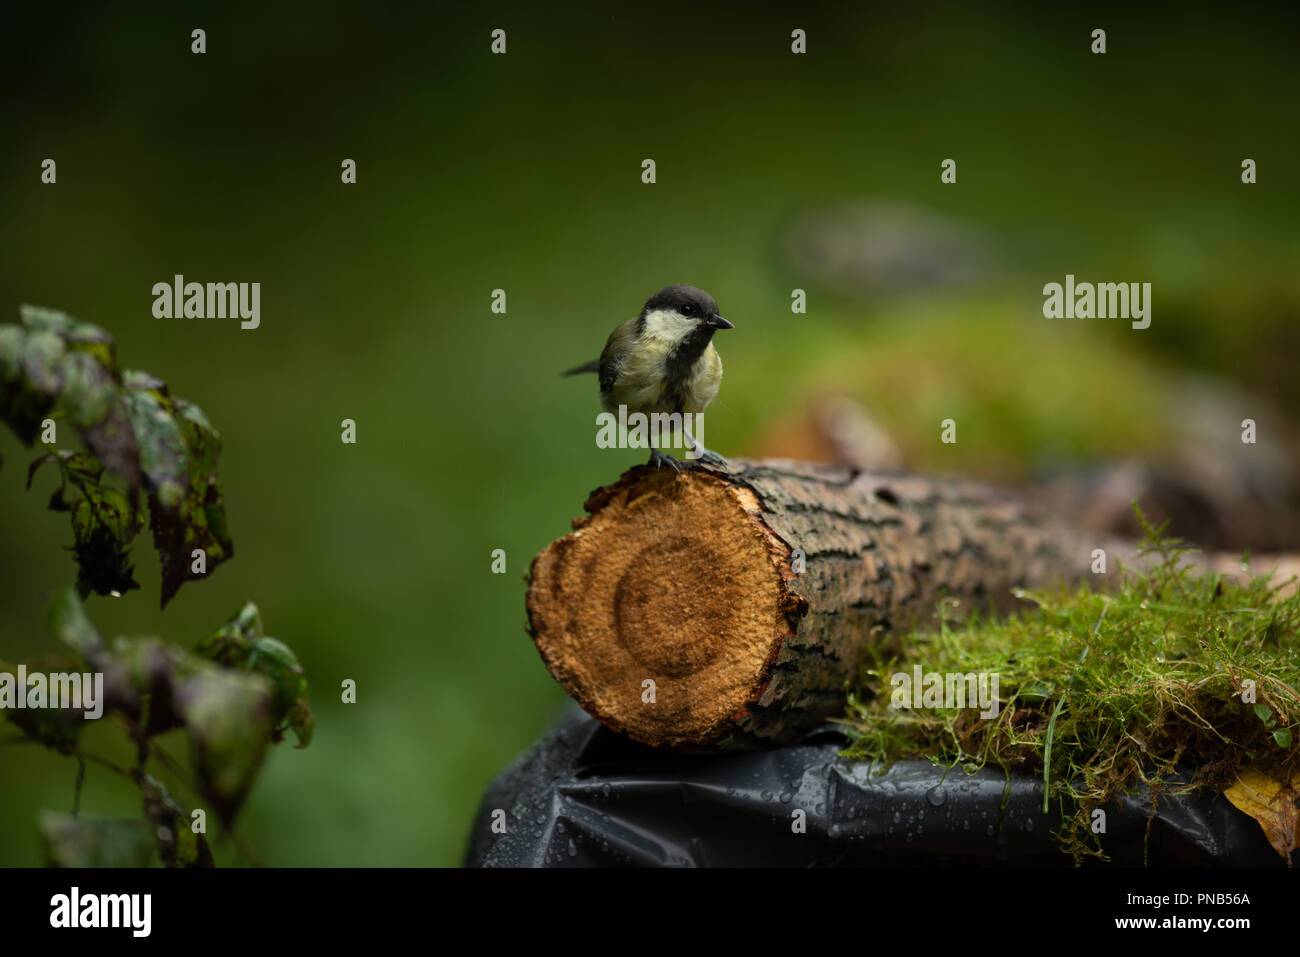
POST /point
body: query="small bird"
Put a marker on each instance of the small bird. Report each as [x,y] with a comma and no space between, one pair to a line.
[664,361]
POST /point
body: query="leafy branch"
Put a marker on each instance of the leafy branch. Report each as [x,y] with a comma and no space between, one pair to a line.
[54,367]
[235,694]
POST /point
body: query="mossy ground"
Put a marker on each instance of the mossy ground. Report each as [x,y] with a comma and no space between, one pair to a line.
[1106,691]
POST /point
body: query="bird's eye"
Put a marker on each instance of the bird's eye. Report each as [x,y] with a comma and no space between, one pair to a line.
[687,309]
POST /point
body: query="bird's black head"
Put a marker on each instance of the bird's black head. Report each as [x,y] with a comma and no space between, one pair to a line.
[686,304]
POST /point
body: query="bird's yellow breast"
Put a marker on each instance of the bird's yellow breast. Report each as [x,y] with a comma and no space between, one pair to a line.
[642,382]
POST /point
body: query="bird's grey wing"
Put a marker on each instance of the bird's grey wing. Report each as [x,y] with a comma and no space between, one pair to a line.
[611,357]
[609,366]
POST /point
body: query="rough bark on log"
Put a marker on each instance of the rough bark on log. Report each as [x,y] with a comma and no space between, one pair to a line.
[687,580]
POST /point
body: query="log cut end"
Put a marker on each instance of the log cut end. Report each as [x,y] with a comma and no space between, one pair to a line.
[673,579]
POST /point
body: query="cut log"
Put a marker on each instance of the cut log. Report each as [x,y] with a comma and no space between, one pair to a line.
[730,609]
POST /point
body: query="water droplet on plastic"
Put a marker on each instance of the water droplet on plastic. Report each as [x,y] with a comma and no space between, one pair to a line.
[937,795]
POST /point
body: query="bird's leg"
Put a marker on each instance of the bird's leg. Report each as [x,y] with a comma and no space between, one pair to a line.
[658,459]
[704,455]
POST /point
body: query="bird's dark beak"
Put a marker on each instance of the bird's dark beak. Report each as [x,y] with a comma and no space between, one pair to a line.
[717,322]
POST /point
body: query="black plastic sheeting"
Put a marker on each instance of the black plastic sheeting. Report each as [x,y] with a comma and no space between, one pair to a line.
[585,796]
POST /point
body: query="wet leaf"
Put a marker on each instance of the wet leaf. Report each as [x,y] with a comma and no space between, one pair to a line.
[276,661]
[105,507]
[56,728]
[141,380]
[279,664]
[232,643]
[89,389]
[1272,804]
[228,716]
[300,720]
[103,523]
[77,467]
[132,426]
[113,442]
[69,841]
[239,643]
[59,362]
[72,330]
[140,678]
[178,845]
[178,454]
[28,383]
[92,396]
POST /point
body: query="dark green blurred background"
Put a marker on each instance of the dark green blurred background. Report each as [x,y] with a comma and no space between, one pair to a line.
[523,172]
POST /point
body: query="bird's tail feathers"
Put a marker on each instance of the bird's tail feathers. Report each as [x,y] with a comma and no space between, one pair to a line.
[592,366]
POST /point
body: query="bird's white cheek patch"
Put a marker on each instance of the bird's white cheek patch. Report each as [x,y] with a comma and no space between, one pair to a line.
[663,324]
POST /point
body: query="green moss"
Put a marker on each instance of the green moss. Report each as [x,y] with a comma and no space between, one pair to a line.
[1105,692]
